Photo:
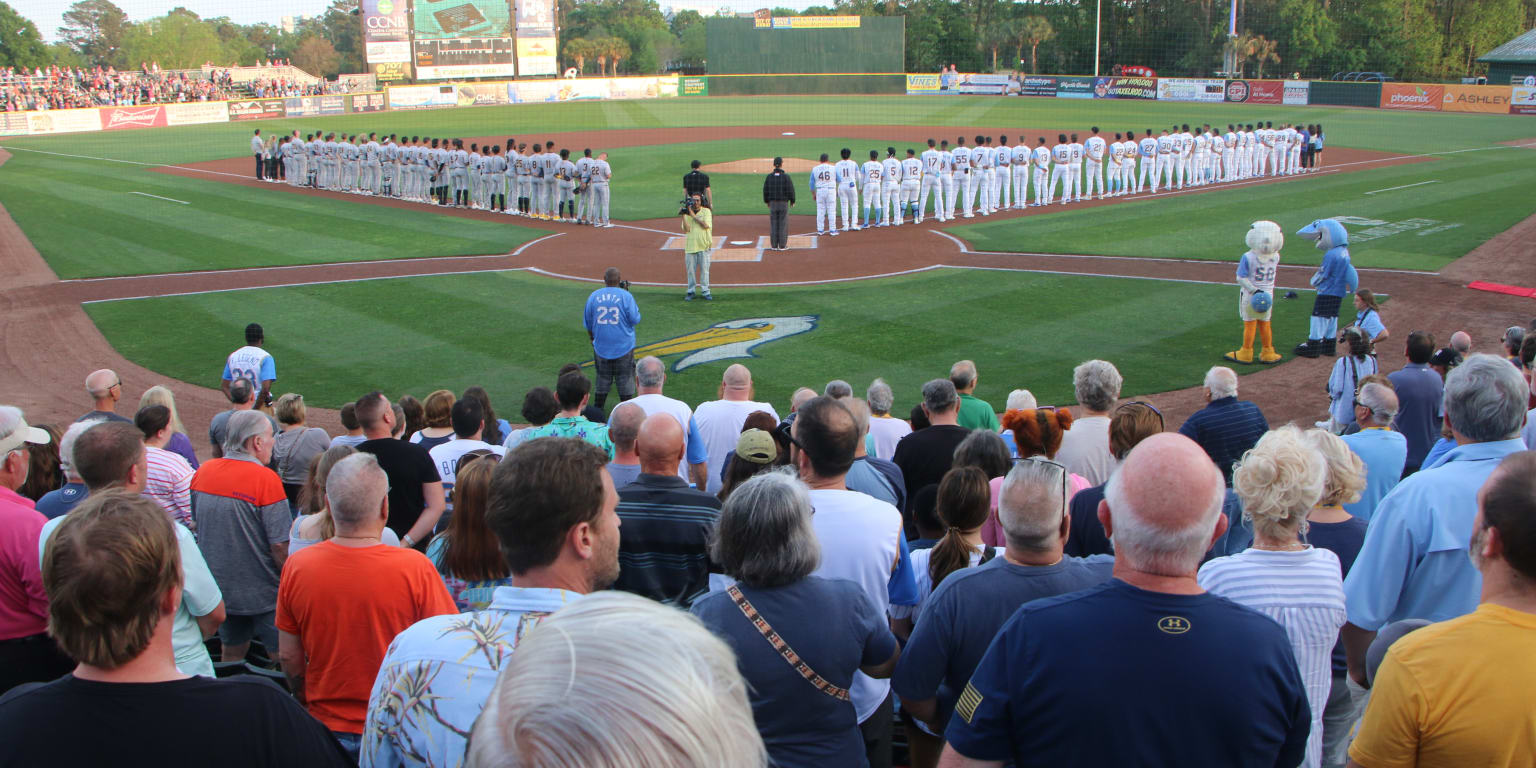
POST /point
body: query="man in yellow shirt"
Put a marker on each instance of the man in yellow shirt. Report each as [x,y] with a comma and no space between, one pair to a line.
[698,227]
[1463,692]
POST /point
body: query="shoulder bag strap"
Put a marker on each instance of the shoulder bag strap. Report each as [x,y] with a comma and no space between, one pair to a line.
[766,630]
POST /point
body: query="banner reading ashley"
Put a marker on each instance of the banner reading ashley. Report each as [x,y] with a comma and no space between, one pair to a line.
[386,32]
[536,38]
[1414,96]
[1491,99]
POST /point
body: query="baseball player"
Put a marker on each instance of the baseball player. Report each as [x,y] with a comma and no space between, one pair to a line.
[1022,162]
[872,171]
[1232,162]
[1250,152]
[1061,162]
[536,182]
[1041,159]
[1296,142]
[824,187]
[458,174]
[1261,149]
[1164,171]
[982,173]
[1075,173]
[602,173]
[946,181]
[960,159]
[472,170]
[1277,152]
[848,189]
[1198,148]
[1116,165]
[1218,157]
[565,187]
[891,199]
[373,166]
[584,186]
[1129,162]
[1002,190]
[930,184]
[912,178]
[1094,149]
[989,190]
[1209,171]
[351,162]
[522,179]
[495,179]
[551,163]
[1147,150]
[1187,146]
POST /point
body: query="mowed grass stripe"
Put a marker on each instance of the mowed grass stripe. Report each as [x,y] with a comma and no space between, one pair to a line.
[512,331]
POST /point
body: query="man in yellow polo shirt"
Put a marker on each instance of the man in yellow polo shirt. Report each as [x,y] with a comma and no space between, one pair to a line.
[1463,692]
[699,240]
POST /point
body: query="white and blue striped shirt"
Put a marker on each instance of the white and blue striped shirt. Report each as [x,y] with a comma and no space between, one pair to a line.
[1303,591]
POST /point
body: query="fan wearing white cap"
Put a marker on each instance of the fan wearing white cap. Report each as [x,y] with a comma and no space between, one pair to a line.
[26,652]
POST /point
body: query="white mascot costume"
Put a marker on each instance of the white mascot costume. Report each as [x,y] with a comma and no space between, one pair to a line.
[1256,278]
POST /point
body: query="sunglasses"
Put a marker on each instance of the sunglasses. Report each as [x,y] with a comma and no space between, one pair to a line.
[1062,468]
[474,456]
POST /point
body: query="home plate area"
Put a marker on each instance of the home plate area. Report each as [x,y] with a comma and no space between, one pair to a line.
[726,249]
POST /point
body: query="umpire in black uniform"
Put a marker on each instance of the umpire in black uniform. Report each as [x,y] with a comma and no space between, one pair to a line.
[696,182]
[779,194]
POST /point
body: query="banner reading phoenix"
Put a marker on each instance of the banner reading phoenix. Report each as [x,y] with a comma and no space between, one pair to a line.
[1414,96]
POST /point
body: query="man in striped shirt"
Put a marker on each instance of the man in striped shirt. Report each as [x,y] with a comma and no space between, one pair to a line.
[167,476]
[664,539]
[1226,427]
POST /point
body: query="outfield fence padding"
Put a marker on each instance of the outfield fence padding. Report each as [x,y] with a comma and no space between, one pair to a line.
[871,47]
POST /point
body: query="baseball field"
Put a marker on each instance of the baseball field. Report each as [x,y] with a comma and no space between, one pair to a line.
[169,248]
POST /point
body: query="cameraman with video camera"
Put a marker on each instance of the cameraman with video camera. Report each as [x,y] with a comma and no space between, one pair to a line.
[610,317]
[699,232]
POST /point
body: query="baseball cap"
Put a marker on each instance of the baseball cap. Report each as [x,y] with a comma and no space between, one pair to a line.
[14,431]
[756,446]
[1447,357]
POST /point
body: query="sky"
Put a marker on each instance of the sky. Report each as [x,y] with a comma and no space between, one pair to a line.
[48,14]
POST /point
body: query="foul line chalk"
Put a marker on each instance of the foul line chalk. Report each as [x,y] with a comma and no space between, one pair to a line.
[157,197]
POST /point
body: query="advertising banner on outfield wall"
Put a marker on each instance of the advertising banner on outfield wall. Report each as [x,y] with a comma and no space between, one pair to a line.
[987,85]
[1523,100]
[591,88]
[13,124]
[482,94]
[1491,99]
[1188,89]
[1037,85]
[64,121]
[1255,91]
[1296,92]
[928,85]
[422,96]
[1074,87]
[197,113]
[1418,97]
[699,86]
[366,102]
[117,118]
[1125,88]
[306,106]
[255,109]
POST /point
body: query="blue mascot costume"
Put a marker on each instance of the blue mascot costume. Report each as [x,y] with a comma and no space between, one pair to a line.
[1335,279]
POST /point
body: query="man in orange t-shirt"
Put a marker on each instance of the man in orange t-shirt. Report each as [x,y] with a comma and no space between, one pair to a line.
[342,601]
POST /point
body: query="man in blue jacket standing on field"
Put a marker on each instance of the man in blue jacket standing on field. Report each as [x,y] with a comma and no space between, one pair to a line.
[610,318]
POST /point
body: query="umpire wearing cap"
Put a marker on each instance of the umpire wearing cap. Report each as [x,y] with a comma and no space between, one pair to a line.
[779,194]
[696,182]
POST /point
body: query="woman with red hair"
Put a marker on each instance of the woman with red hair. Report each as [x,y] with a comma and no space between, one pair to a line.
[1037,432]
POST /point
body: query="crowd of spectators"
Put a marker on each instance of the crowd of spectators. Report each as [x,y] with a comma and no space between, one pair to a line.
[55,87]
[714,584]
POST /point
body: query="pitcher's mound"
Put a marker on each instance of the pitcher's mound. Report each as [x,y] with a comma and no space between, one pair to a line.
[760,165]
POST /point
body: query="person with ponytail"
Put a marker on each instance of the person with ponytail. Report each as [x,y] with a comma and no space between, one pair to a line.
[963,505]
[1036,432]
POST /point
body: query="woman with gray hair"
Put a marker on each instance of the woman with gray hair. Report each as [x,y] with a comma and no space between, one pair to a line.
[798,638]
[884,429]
[1280,480]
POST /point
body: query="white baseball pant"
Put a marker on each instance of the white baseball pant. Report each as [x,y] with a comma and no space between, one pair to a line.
[826,210]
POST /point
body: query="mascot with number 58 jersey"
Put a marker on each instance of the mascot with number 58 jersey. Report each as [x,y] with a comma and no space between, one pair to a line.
[1335,279]
[1256,300]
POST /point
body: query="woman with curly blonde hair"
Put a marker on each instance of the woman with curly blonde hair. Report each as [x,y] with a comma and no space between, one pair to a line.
[1280,480]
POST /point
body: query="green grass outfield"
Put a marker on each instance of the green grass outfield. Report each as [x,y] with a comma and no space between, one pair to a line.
[82,215]
[413,335]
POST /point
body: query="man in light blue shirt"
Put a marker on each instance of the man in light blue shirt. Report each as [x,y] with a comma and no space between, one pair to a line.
[1382,450]
[1414,562]
[560,536]
[610,318]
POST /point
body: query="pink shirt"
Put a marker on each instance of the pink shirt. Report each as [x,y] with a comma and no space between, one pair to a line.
[23,603]
[169,482]
[992,530]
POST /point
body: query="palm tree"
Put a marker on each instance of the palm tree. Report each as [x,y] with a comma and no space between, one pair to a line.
[578,50]
[1240,47]
[1034,31]
[998,35]
[1265,50]
[618,50]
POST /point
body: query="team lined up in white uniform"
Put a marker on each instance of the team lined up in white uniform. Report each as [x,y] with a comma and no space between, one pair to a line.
[993,176]
[544,183]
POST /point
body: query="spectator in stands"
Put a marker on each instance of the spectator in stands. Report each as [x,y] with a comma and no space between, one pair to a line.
[1356,363]
[962,506]
[539,408]
[354,435]
[966,610]
[664,545]
[573,390]
[179,444]
[1330,527]
[1462,343]
[44,474]
[26,652]
[720,421]
[167,476]
[650,378]
[296,445]
[1514,336]
[766,543]
[552,508]
[1301,587]
[315,524]
[623,429]
[861,540]
[1085,449]
[975,413]
[1163,508]
[1420,397]
[879,478]
[113,456]
[467,555]
[242,521]
[411,418]
[986,451]
[1018,400]
[438,413]
[468,427]
[886,429]
[1132,422]
[242,397]
[105,388]
[114,573]
[1381,449]
[756,453]
[343,600]
[1444,360]
[415,490]
[59,502]
[926,454]
[1458,692]
[679,703]
[1413,564]
[837,389]
[496,429]
[1226,427]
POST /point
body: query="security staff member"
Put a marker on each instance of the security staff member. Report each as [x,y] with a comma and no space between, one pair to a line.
[696,182]
[779,194]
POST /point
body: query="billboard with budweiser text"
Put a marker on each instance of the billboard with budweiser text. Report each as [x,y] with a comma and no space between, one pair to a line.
[1255,91]
[255,109]
[116,118]
[1418,97]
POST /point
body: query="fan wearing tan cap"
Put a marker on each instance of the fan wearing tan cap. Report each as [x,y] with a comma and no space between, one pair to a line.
[26,652]
[755,453]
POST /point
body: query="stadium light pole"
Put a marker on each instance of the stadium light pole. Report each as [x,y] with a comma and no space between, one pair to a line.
[1098,11]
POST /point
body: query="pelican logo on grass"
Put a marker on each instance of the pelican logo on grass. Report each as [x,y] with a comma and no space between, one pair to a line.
[727,340]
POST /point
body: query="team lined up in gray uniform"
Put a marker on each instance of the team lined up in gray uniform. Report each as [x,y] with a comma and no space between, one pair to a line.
[545,183]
